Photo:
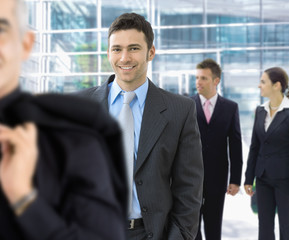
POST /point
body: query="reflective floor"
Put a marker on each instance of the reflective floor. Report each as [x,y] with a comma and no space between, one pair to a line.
[240,223]
[239,220]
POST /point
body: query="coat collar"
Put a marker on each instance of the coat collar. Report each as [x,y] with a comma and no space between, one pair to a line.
[101,93]
[278,119]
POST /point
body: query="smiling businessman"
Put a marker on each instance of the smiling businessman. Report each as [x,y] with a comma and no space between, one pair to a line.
[164,164]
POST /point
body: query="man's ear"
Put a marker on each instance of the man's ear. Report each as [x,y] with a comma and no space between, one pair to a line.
[27,44]
[152,53]
[216,81]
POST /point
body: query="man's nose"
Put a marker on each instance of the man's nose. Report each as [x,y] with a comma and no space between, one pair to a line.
[125,56]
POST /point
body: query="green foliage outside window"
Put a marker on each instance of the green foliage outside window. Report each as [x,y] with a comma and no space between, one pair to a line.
[89,63]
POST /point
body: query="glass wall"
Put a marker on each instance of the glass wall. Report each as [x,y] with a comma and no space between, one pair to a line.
[244,36]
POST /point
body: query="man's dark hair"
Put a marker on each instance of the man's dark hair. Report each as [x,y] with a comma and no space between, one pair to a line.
[277,74]
[128,21]
[211,64]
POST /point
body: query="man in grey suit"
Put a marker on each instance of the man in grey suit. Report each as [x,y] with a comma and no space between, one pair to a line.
[168,169]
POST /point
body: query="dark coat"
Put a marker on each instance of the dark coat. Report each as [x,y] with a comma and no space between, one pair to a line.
[79,174]
[222,145]
[269,151]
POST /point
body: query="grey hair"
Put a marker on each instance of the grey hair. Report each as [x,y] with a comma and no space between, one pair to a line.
[21,12]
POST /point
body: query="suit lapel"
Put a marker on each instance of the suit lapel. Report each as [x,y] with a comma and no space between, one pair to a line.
[278,119]
[200,111]
[153,124]
[101,93]
[217,109]
[261,114]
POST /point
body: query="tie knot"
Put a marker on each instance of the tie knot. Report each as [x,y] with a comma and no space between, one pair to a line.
[207,102]
[128,97]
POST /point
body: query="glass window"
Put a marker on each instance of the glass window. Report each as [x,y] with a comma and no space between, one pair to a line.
[240,60]
[29,84]
[176,62]
[233,36]
[245,36]
[234,11]
[179,38]
[69,83]
[111,9]
[34,18]
[71,42]
[275,10]
[173,13]
[242,87]
[276,35]
[72,14]
[273,58]
[64,63]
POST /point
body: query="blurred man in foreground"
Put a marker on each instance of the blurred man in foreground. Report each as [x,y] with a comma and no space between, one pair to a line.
[59,178]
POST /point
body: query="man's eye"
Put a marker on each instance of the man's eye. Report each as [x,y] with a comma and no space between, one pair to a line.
[134,49]
[2,30]
[115,49]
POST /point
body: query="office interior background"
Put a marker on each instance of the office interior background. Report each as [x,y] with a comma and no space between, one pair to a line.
[244,36]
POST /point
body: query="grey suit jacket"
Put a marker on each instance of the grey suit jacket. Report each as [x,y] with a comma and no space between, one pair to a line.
[169,166]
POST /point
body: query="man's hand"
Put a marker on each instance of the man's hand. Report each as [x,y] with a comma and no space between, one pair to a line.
[249,190]
[19,158]
[233,189]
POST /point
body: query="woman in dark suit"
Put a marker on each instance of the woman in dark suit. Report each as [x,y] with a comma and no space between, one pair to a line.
[268,159]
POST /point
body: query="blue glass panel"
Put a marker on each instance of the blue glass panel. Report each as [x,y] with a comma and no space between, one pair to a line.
[73,14]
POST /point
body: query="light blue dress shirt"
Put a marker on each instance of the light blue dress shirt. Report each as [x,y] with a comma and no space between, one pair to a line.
[115,101]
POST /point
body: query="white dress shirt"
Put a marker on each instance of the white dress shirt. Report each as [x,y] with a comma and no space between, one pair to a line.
[213,101]
[269,119]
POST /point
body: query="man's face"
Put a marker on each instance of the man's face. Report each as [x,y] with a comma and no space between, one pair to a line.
[14,48]
[129,56]
[205,83]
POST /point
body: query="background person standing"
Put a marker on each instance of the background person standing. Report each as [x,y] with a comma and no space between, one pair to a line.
[268,159]
[219,125]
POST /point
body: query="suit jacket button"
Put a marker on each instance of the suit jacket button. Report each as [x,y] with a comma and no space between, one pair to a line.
[139,182]
[150,235]
[144,209]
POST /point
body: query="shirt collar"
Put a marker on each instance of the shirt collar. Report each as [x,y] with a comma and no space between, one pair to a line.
[115,90]
[213,99]
[141,92]
[284,104]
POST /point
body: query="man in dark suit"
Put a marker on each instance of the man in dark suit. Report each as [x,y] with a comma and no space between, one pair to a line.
[61,167]
[168,169]
[218,120]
